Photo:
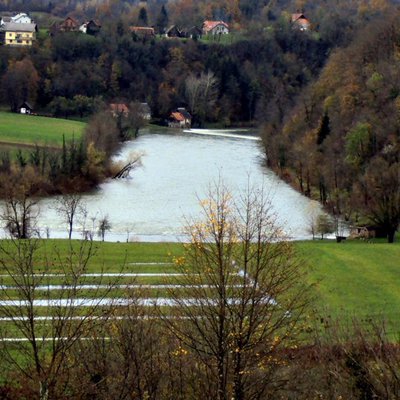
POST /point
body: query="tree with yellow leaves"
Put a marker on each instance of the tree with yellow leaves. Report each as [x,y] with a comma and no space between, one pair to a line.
[242,297]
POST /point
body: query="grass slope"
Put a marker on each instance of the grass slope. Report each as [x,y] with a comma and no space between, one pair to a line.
[352,279]
[355,279]
[18,129]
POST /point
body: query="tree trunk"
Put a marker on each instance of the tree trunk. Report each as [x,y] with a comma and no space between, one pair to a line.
[391,234]
[43,391]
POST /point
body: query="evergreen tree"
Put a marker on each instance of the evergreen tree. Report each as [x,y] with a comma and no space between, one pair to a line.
[162,20]
[143,17]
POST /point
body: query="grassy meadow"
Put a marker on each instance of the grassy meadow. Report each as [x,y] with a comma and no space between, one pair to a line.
[26,130]
[350,279]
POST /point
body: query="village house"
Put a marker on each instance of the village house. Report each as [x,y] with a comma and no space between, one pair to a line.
[215,28]
[142,31]
[68,25]
[145,111]
[20,18]
[17,34]
[25,108]
[118,109]
[194,32]
[90,28]
[173,32]
[180,119]
[300,22]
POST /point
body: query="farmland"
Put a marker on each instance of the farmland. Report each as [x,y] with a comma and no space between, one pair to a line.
[26,130]
[349,279]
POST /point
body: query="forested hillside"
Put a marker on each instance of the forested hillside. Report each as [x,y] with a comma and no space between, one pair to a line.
[341,143]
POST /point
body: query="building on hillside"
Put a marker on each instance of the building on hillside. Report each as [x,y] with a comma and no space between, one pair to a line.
[17,34]
[145,111]
[20,18]
[68,25]
[90,28]
[118,109]
[300,22]
[142,31]
[25,108]
[194,32]
[173,32]
[180,119]
[215,28]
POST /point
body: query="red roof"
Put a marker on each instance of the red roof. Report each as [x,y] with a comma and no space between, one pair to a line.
[300,19]
[119,108]
[177,116]
[210,25]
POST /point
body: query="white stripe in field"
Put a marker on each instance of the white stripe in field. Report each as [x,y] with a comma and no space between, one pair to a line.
[150,263]
[112,286]
[85,302]
[116,274]
[208,132]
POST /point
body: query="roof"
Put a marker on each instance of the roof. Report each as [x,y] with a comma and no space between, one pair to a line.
[185,113]
[142,29]
[297,16]
[119,107]
[177,116]
[65,22]
[26,105]
[300,19]
[210,25]
[16,27]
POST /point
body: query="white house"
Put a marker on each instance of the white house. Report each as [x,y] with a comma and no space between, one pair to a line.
[215,28]
[21,18]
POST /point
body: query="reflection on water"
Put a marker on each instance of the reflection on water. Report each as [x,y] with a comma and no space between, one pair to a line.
[177,169]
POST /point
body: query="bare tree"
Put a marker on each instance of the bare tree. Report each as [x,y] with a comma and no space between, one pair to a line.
[20,210]
[69,206]
[104,226]
[19,216]
[201,94]
[38,330]
[248,295]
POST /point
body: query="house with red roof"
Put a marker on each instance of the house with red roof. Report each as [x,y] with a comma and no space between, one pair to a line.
[300,22]
[215,28]
[180,119]
[118,109]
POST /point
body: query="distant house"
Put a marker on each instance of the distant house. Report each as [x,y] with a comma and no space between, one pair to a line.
[173,31]
[17,34]
[180,119]
[194,32]
[145,111]
[215,28]
[118,109]
[21,18]
[25,108]
[300,22]
[68,25]
[90,28]
[142,31]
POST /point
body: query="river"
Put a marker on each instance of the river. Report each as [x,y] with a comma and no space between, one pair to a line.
[151,204]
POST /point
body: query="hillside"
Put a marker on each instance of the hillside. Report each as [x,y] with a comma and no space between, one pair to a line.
[341,142]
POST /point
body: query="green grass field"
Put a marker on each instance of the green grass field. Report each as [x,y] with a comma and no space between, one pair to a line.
[355,279]
[26,130]
[350,279]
